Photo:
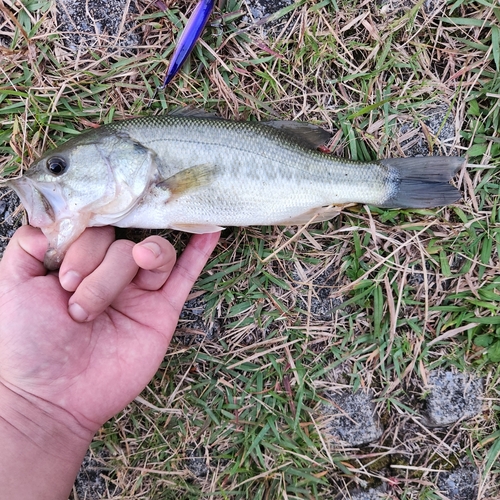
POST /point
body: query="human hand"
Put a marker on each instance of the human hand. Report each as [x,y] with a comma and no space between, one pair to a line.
[96,356]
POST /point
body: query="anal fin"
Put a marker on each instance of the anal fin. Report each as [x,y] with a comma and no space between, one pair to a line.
[318,214]
[196,228]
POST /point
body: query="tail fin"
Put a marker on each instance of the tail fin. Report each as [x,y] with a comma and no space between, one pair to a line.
[423,182]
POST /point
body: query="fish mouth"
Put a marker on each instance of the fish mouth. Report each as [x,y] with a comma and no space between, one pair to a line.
[40,211]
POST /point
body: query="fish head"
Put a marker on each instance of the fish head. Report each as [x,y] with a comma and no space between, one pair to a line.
[93,179]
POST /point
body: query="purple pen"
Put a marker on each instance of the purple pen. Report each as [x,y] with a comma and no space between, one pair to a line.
[189,37]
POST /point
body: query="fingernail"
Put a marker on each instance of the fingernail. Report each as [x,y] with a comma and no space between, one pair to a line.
[77,312]
[70,280]
[153,247]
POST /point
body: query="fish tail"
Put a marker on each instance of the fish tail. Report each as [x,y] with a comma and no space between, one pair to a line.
[422,182]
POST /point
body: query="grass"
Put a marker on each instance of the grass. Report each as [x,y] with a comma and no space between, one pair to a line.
[372,299]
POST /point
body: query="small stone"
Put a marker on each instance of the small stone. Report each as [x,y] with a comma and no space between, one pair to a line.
[370,494]
[321,304]
[453,397]
[260,9]
[263,8]
[440,123]
[459,484]
[353,418]
[200,462]
[192,329]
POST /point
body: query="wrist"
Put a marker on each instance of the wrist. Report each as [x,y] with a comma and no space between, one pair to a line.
[42,447]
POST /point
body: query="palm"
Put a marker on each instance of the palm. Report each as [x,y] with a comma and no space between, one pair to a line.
[90,369]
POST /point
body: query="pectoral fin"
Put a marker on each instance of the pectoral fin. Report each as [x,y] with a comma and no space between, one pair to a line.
[189,180]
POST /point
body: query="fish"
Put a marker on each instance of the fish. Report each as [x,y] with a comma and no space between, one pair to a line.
[194,172]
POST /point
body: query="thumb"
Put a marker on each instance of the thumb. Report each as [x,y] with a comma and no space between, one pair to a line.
[23,257]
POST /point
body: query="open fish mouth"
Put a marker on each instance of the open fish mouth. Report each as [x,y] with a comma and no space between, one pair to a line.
[48,210]
[40,211]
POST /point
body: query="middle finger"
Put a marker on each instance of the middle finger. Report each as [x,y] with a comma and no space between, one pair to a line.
[100,288]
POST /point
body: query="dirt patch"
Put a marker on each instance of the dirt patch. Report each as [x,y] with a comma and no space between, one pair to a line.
[96,23]
[11,216]
[91,482]
[192,328]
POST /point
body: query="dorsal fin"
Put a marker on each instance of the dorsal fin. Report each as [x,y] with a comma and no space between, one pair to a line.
[310,136]
[191,112]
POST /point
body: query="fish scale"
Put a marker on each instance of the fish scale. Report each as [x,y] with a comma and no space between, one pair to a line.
[254,151]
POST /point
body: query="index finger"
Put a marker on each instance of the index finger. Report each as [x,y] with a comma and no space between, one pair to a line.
[84,256]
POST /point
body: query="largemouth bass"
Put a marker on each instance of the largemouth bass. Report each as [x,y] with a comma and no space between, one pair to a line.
[199,174]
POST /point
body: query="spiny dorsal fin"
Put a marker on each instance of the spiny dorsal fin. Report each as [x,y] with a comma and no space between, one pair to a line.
[191,112]
[308,135]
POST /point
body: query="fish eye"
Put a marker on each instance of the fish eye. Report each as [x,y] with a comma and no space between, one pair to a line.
[56,165]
